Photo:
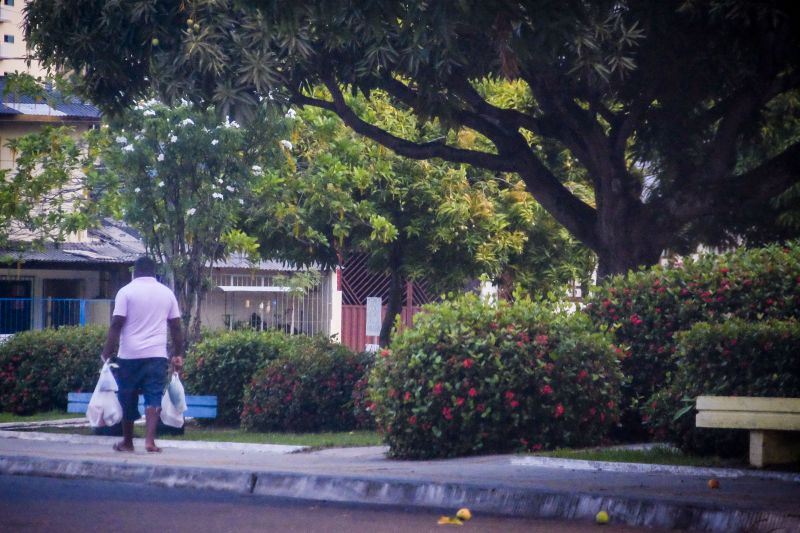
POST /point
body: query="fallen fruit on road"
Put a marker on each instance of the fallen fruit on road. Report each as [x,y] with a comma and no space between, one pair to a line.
[447,521]
[464,514]
[713,483]
[601,517]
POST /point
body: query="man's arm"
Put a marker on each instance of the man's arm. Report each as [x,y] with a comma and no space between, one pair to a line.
[112,340]
[176,332]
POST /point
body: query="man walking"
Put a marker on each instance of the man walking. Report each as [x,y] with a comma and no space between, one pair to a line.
[144,310]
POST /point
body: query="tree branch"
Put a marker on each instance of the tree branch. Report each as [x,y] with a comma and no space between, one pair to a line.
[406,148]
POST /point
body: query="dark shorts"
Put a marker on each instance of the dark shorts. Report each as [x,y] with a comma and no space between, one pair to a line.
[147,376]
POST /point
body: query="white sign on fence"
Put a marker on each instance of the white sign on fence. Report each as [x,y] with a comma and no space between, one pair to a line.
[373,316]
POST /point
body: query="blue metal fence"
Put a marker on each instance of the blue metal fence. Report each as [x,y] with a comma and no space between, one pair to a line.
[21,314]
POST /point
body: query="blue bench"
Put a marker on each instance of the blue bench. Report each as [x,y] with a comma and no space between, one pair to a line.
[198,406]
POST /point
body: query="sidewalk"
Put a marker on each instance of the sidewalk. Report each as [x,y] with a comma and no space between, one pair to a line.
[509,485]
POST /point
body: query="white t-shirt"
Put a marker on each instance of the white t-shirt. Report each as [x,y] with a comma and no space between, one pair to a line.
[147,305]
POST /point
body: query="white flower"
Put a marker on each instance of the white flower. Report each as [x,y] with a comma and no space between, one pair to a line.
[160,183]
[217,195]
[230,189]
[214,142]
[173,139]
[291,113]
[121,140]
[160,157]
[187,122]
[286,144]
[137,189]
[137,138]
[191,211]
[230,123]
[241,202]
[257,169]
[128,148]
[219,180]
[149,113]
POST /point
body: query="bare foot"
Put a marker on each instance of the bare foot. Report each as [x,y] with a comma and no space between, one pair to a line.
[123,447]
[152,448]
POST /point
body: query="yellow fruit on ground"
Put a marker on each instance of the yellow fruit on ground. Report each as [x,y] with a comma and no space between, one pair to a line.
[713,484]
[601,517]
[464,514]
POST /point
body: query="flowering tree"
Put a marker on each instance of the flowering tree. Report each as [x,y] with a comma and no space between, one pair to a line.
[182,179]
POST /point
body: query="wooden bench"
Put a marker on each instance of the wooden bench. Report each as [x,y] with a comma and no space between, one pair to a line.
[774,424]
[198,406]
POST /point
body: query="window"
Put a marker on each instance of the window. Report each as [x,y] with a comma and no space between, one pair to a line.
[8,2]
[8,38]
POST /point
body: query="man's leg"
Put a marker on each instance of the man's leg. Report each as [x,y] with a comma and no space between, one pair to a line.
[151,416]
[128,399]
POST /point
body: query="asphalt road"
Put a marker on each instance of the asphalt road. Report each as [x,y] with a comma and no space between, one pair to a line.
[37,504]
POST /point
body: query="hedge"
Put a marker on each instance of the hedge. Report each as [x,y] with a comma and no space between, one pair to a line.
[732,358]
[645,309]
[224,362]
[471,378]
[39,368]
[309,388]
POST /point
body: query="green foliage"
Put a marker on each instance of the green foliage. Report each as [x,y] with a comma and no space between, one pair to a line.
[43,198]
[645,309]
[182,178]
[732,358]
[472,378]
[308,388]
[669,108]
[223,363]
[39,368]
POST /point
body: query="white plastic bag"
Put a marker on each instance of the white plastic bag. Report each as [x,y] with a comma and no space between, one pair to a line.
[176,393]
[106,381]
[104,408]
[170,415]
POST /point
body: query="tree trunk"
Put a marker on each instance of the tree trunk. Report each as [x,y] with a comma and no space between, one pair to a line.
[395,303]
[629,242]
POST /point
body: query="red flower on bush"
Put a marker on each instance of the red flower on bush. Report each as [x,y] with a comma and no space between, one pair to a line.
[536,447]
[558,411]
[412,420]
[509,395]
[611,404]
[547,389]
[514,404]
[635,320]
[583,374]
[386,352]
[437,389]
[472,392]
[480,408]
[468,363]
[460,401]
[407,396]
[541,340]
[447,413]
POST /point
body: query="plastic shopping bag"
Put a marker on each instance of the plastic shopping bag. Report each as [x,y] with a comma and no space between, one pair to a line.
[104,408]
[176,393]
[170,415]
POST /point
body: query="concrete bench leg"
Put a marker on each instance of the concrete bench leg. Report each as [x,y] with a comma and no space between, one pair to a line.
[774,447]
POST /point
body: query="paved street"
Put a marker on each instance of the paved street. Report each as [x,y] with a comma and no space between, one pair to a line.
[36,504]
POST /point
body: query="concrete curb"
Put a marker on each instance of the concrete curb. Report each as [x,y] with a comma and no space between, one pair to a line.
[639,468]
[178,444]
[495,499]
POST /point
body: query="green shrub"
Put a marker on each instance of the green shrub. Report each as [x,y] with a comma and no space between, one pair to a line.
[472,378]
[731,358]
[39,368]
[223,362]
[645,309]
[309,388]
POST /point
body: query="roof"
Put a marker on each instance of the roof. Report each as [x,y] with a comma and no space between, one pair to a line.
[57,105]
[116,242]
[112,242]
